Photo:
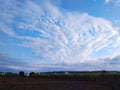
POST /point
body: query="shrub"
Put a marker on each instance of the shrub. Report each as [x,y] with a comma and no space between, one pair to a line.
[31,73]
[21,73]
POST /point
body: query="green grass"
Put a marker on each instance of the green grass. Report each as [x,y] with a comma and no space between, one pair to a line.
[81,76]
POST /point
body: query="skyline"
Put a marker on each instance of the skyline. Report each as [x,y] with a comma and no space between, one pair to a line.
[48,35]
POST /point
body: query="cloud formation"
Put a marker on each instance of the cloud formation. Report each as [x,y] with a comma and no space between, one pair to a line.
[114,2]
[12,64]
[55,35]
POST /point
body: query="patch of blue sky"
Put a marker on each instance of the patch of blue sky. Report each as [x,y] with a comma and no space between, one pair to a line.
[92,32]
[104,52]
[29,33]
[82,6]
[9,40]
[4,37]
[12,48]
[17,52]
[96,8]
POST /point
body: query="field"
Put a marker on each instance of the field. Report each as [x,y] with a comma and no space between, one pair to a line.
[61,82]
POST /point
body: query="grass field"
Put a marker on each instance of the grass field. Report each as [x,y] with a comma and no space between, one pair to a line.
[61,82]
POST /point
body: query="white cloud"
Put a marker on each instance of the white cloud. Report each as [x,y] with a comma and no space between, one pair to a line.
[114,2]
[6,29]
[65,37]
[107,1]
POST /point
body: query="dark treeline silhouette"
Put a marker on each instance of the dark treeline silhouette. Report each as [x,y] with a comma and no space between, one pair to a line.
[69,75]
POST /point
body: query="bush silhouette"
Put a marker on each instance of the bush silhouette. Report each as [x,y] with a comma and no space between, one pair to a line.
[31,73]
[21,73]
[103,71]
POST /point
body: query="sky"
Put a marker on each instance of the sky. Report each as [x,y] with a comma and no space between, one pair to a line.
[59,35]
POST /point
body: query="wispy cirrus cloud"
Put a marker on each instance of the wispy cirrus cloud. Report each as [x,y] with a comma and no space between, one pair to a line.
[114,2]
[55,35]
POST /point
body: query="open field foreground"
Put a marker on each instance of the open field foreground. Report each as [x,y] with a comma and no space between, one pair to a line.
[46,83]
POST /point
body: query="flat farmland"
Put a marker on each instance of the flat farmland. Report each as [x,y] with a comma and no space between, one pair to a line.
[38,83]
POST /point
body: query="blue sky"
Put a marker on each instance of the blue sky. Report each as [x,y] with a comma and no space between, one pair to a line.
[58,35]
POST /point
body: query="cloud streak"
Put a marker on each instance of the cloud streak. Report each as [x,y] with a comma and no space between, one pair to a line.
[12,64]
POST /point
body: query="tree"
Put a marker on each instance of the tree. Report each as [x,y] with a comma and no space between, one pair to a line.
[103,71]
[21,73]
[31,73]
